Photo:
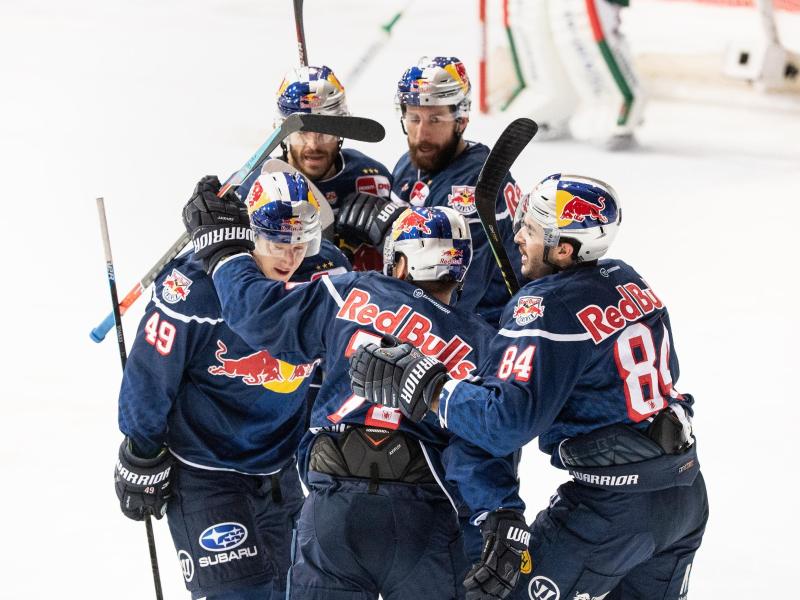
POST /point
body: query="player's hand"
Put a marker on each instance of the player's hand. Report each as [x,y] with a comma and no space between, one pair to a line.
[219,227]
[366,218]
[397,375]
[142,484]
[505,541]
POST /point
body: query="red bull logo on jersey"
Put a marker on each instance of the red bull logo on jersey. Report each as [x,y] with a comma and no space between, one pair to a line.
[578,209]
[634,303]
[261,368]
[175,287]
[409,326]
[462,199]
[419,193]
[528,309]
[412,221]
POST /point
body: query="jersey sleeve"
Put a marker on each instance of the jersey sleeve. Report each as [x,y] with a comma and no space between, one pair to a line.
[533,364]
[292,322]
[485,482]
[153,375]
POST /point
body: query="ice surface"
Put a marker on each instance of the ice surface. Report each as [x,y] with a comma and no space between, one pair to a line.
[136,100]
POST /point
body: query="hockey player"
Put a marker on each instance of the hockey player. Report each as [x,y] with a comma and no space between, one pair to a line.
[212,425]
[441,169]
[380,517]
[344,176]
[578,71]
[585,361]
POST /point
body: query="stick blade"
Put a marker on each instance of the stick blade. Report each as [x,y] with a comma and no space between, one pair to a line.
[354,128]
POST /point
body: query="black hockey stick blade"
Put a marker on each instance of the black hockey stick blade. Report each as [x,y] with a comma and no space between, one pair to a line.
[508,147]
[354,128]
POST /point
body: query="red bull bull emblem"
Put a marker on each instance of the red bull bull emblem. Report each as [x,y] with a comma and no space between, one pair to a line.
[310,101]
[413,221]
[255,195]
[528,309]
[254,369]
[578,209]
[462,199]
[419,193]
[175,287]
[452,256]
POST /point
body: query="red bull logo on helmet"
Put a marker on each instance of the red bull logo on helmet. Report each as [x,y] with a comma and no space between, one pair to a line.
[452,256]
[462,199]
[578,209]
[255,198]
[528,309]
[311,100]
[175,287]
[411,221]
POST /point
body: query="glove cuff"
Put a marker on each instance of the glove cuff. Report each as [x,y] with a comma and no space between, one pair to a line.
[126,452]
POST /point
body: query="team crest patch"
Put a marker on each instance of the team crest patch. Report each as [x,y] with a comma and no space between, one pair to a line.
[175,287]
[419,193]
[462,199]
[528,309]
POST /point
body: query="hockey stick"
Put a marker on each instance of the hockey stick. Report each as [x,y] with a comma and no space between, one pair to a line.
[354,74]
[505,151]
[123,356]
[301,32]
[357,128]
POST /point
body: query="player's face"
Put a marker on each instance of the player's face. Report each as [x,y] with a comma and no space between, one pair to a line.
[313,154]
[278,261]
[432,135]
[530,240]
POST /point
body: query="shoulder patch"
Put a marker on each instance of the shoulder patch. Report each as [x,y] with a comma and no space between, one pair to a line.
[528,309]
[175,287]
[462,199]
[377,185]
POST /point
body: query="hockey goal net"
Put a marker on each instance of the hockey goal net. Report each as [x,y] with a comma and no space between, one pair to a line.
[681,48]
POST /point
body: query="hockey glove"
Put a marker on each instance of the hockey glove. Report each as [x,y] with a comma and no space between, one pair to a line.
[364,218]
[397,375]
[219,227]
[505,547]
[142,483]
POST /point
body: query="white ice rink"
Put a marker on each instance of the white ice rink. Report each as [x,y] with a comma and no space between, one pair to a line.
[135,100]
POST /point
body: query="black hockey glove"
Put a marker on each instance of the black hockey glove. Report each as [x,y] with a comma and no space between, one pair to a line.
[219,227]
[142,483]
[364,218]
[397,375]
[505,546]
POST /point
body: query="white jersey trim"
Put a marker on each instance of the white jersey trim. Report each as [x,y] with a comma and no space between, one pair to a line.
[207,468]
[181,317]
[436,475]
[332,290]
[449,387]
[549,335]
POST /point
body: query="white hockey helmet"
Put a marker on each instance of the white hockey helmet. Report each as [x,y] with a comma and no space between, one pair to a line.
[436,242]
[580,209]
[284,210]
[437,81]
[310,90]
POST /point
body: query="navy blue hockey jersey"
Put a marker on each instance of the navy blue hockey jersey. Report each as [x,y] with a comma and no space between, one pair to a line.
[193,384]
[357,173]
[329,318]
[454,186]
[578,350]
